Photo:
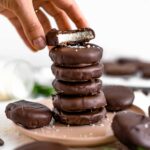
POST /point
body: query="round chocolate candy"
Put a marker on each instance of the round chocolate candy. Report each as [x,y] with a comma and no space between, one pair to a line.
[29,114]
[84,118]
[78,74]
[132,129]
[116,69]
[91,87]
[76,56]
[146,73]
[79,104]
[1,142]
[118,97]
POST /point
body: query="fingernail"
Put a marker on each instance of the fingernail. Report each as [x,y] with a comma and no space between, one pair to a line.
[39,43]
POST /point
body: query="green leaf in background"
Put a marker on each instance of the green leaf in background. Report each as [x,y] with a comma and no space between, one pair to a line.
[140,148]
[42,90]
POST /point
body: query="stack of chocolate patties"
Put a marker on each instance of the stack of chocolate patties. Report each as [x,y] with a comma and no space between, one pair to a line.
[77,67]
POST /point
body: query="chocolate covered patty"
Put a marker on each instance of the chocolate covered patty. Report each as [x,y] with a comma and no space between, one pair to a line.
[76,56]
[56,37]
[120,69]
[79,104]
[29,114]
[91,87]
[1,142]
[124,60]
[146,73]
[144,65]
[132,129]
[78,74]
[118,97]
[42,146]
[79,118]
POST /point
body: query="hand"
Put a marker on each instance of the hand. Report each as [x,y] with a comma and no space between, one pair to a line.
[31,22]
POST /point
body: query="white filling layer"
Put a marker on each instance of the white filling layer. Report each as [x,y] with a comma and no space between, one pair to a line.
[75,36]
[76,46]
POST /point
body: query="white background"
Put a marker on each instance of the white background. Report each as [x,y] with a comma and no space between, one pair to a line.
[122,28]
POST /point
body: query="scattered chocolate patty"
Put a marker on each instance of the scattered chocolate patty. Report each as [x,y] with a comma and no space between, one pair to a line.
[77,74]
[79,104]
[116,69]
[29,114]
[132,129]
[146,73]
[144,65]
[1,142]
[56,37]
[118,97]
[85,118]
[76,56]
[42,146]
[91,87]
[128,60]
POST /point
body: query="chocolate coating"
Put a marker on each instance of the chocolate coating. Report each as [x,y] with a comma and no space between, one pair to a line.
[29,114]
[77,74]
[79,104]
[91,87]
[144,65]
[124,60]
[85,118]
[53,39]
[118,97]
[117,69]
[42,146]
[146,73]
[76,56]
[1,142]
[132,129]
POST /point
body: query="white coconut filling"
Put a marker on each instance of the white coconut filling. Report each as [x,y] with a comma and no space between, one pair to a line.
[76,46]
[77,36]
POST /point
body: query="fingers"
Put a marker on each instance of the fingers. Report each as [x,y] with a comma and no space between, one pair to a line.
[14,20]
[59,15]
[20,31]
[73,11]
[31,25]
[44,21]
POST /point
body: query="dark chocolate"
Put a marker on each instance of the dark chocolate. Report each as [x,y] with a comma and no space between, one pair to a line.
[79,104]
[1,142]
[118,97]
[146,73]
[29,114]
[42,146]
[77,74]
[124,60]
[116,69]
[76,56]
[144,65]
[56,37]
[85,118]
[132,129]
[91,87]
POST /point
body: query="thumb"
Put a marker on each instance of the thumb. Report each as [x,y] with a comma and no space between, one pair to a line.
[34,32]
